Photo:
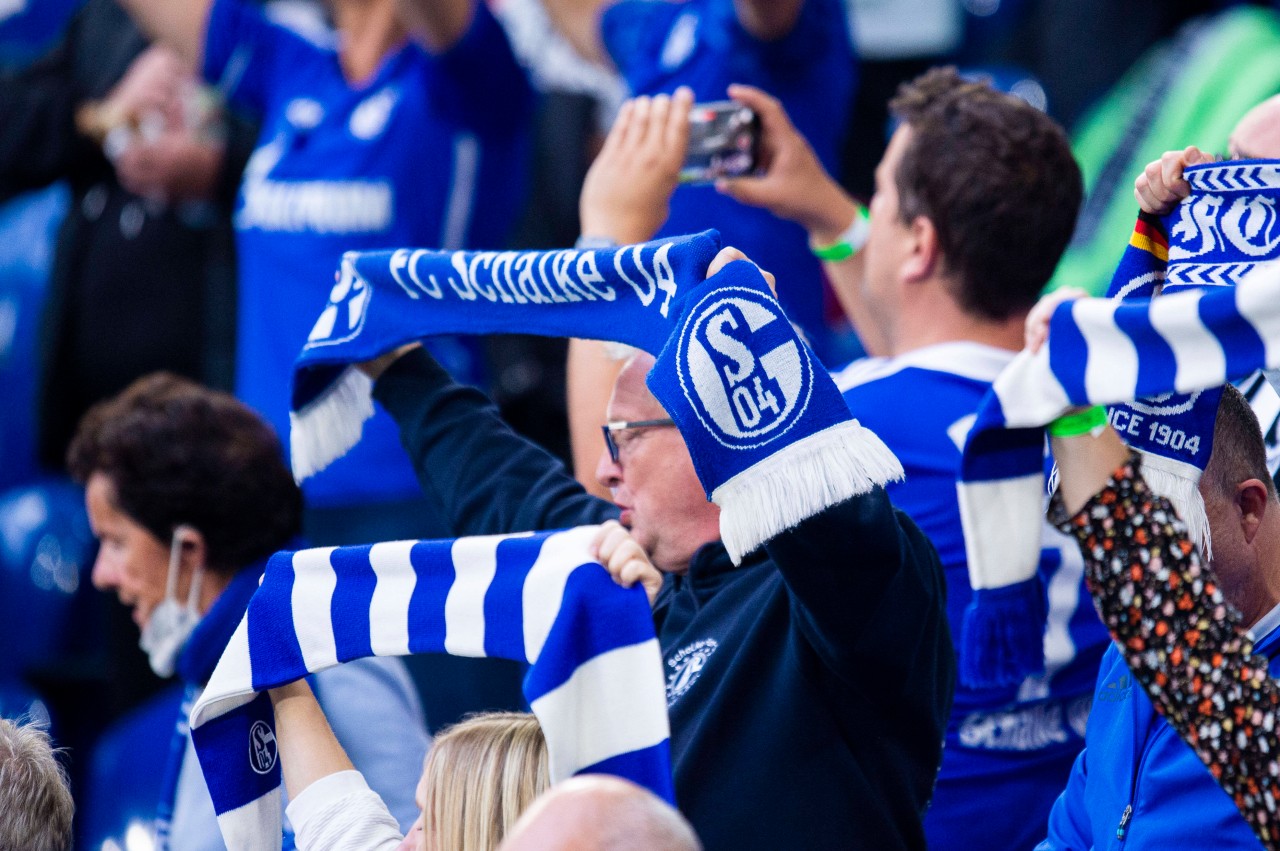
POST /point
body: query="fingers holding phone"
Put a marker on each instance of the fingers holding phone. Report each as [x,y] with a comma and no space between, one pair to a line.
[627,191]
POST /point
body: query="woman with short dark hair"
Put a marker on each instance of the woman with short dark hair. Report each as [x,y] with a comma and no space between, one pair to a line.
[188,494]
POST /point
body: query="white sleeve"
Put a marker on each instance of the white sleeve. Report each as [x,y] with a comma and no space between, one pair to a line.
[341,813]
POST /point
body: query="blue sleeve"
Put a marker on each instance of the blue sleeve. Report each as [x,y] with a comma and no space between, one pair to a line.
[245,54]
[821,30]
[478,81]
[1069,825]
[374,711]
[487,479]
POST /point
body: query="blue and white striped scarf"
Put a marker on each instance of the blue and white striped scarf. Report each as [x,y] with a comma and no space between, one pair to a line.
[595,681]
[1100,352]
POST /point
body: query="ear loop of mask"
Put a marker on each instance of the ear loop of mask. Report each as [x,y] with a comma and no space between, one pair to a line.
[175,556]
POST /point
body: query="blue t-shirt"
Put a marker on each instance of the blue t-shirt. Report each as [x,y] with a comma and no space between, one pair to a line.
[429,151]
[1001,742]
[659,46]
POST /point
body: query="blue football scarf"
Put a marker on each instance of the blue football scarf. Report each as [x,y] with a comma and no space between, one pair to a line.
[1110,351]
[1221,232]
[770,436]
[595,680]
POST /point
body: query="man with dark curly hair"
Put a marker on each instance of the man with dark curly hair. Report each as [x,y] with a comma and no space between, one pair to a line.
[976,198]
[188,494]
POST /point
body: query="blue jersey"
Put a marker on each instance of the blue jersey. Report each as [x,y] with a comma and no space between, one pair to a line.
[1009,750]
[659,45]
[429,151]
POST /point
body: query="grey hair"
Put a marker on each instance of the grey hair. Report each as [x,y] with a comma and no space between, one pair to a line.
[35,800]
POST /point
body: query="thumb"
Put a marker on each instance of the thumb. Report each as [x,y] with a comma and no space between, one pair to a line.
[746,190]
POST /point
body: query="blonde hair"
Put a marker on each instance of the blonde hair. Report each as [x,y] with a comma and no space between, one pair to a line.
[479,776]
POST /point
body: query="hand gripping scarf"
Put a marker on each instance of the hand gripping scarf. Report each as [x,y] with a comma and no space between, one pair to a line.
[595,680]
[1201,334]
[770,436]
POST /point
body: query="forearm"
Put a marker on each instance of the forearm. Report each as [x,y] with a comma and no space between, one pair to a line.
[579,22]
[308,748]
[178,23]
[1182,641]
[489,479]
[437,24]
[768,20]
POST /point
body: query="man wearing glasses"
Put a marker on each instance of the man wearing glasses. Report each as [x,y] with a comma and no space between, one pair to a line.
[808,686]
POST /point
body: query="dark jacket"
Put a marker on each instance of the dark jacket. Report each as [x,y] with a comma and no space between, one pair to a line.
[808,687]
[136,286]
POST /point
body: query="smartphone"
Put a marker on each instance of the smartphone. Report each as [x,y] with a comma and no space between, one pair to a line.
[724,139]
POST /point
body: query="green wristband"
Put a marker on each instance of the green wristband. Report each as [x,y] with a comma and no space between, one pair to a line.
[848,243]
[1083,422]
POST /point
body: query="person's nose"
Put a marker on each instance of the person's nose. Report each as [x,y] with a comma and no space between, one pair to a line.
[608,471]
[105,575]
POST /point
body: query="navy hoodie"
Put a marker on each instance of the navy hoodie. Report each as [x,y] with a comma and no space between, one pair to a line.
[808,687]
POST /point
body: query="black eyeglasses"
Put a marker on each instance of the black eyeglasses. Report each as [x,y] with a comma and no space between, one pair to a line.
[624,425]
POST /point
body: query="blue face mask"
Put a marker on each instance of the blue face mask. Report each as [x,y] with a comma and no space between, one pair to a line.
[171,623]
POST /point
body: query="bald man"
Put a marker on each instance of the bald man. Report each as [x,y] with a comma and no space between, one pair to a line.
[601,813]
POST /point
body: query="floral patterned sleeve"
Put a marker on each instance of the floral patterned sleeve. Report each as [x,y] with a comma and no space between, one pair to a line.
[1182,640]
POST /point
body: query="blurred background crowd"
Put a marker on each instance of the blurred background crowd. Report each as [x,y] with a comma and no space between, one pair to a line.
[118,257]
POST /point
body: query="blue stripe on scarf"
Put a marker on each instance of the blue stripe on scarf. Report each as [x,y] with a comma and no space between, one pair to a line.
[1156,367]
[640,764]
[230,786]
[271,633]
[1247,349]
[593,637]
[436,575]
[501,604]
[350,610]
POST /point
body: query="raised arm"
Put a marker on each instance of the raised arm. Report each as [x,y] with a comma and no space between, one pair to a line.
[793,185]
[486,478]
[579,22]
[178,23]
[330,805]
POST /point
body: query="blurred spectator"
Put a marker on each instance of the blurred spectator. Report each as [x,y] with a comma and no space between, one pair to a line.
[480,775]
[188,494]
[405,127]
[797,50]
[35,803]
[347,128]
[601,813]
[143,278]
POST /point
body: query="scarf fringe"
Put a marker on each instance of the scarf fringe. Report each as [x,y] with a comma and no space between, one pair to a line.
[1003,635]
[795,483]
[330,426]
[1166,478]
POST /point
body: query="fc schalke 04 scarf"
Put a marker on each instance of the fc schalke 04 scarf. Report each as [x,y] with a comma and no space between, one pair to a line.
[595,681]
[770,437]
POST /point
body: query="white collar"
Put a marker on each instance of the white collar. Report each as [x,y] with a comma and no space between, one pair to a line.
[1265,625]
[964,358]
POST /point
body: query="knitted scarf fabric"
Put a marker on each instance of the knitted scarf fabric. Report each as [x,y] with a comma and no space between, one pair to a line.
[769,434]
[1104,351]
[595,681]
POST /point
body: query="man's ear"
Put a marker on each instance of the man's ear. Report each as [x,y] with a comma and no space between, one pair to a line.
[1252,500]
[193,546]
[926,252]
